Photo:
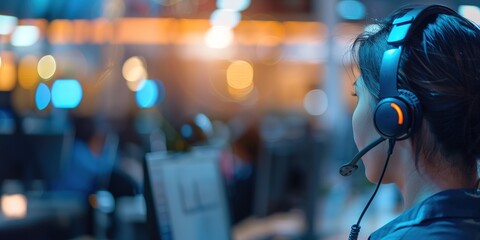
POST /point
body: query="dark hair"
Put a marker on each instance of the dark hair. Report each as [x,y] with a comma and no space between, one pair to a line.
[441,65]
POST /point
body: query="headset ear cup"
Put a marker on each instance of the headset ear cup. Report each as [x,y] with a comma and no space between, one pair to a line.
[392,118]
[398,117]
[415,107]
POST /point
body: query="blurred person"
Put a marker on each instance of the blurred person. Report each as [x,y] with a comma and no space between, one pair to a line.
[90,165]
[434,152]
[238,147]
[89,160]
[245,151]
[94,168]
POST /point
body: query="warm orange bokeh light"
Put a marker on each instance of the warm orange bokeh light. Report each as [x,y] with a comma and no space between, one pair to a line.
[14,206]
[240,75]
[7,71]
[60,31]
[102,31]
[27,72]
[143,30]
[82,30]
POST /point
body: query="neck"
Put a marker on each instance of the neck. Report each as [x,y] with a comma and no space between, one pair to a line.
[416,185]
[416,188]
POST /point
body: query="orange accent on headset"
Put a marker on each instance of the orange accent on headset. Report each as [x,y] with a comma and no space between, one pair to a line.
[399,112]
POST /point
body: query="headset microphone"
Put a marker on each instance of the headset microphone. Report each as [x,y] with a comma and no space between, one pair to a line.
[349,168]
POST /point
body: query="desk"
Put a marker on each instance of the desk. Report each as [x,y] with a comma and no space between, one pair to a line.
[131,217]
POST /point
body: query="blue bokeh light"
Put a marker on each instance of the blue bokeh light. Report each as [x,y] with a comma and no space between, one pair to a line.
[66,93]
[186,130]
[225,18]
[351,9]
[236,5]
[202,121]
[24,36]
[152,93]
[42,96]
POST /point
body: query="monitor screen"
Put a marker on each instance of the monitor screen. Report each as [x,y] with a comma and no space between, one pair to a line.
[28,157]
[185,196]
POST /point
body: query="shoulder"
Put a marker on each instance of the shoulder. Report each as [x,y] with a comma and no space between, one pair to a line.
[451,214]
[445,229]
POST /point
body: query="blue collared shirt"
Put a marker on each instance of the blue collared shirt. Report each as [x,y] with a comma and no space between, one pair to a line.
[447,215]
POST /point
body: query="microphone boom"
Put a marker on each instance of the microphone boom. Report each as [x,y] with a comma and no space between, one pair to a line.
[351,167]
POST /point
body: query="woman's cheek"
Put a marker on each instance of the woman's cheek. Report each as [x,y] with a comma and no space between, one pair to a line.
[361,124]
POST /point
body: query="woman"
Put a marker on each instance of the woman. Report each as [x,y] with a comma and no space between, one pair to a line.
[434,163]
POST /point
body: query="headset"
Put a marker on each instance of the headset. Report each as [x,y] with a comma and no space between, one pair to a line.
[398,114]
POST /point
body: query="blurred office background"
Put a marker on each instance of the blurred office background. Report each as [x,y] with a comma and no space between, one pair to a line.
[88,87]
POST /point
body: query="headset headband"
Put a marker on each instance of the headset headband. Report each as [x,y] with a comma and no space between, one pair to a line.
[402,30]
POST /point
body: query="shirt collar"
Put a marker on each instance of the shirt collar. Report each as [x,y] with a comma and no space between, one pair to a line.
[455,203]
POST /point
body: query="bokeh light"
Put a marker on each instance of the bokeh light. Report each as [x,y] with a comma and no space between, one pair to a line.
[82,32]
[14,205]
[152,93]
[133,69]
[7,71]
[240,75]
[225,18]
[315,102]
[236,5]
[470,12]
[7,24]
[241,94]
[27,72]
[219,37]
[102,31]
[202,121]
[46,67]
[66,93]
[186,131]
[135,86]
[60,31]
[25,36]
[42,96]
[136,74]
[351,9]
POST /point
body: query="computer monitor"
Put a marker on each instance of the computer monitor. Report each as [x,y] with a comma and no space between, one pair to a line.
[185,196]
[29,157]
